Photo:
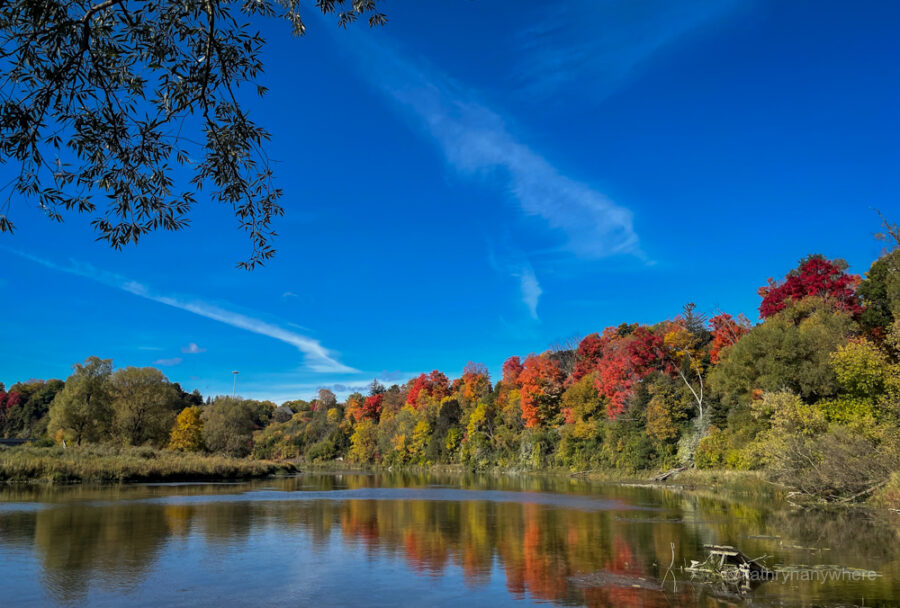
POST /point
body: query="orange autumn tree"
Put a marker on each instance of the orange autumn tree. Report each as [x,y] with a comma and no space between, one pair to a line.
[726,330]
[475,382]
[364,408]
[542,383]
[507,391]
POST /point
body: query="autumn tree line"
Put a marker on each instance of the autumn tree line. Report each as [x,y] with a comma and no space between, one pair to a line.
[130,406]
[809,393]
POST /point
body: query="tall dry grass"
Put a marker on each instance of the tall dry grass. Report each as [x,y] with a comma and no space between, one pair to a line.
[104,464]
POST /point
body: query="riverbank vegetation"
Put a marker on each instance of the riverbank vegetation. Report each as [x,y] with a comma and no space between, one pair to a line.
[809,394]
[103,464]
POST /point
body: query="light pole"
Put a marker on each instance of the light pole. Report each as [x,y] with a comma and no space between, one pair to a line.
[234,385]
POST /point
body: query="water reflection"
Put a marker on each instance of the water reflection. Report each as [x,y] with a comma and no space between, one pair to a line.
[110,545]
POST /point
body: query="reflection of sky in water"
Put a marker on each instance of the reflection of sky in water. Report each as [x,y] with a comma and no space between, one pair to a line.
[370,540]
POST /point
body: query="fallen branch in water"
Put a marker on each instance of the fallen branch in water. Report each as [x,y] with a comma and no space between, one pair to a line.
[667,474]
[865,492]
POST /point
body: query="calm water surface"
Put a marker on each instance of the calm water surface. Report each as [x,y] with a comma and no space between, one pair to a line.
[388,540]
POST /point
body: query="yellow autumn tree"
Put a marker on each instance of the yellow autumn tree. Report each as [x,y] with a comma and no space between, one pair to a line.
[187,435]
[418,443]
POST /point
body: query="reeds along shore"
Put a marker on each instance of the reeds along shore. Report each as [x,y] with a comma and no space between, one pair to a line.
[103,464]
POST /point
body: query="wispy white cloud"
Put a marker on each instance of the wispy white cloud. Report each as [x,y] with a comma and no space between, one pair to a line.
[510,261]
[476,141]
[599,45]
[531,289]
[168,362]
[192,349]
[289,294]
[317,357]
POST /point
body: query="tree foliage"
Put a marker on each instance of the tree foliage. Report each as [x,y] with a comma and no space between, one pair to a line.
[104,105]
[880,293]
[542,383]
[434,386]
[726,330]
[82,410]
[144,403]
[791,350]
[187,435]
[814,276]
[228,426]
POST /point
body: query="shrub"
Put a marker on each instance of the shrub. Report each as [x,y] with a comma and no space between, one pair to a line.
[889,496]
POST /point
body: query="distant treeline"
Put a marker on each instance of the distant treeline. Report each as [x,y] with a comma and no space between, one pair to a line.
[811,393]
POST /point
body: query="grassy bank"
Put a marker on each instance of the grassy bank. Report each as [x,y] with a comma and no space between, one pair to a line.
[100,464]
[713,479]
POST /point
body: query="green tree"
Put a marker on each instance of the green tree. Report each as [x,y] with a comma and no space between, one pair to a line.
[82,409]
[790,350]
[861,369]
[29,418]
[228,426]
[143,402]
[880,292]
[97,97]
[869,382]
[667,408]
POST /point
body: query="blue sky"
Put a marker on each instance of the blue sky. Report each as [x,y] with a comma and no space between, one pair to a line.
[481,179]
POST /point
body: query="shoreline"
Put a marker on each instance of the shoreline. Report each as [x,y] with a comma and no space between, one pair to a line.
[105,465]
[110,466]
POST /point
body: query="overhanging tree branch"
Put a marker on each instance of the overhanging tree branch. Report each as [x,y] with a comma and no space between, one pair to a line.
[92,109]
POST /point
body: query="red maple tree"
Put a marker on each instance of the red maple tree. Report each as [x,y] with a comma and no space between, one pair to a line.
[815,276]
[586,356]
[628,357]
[512,367]
[436,385]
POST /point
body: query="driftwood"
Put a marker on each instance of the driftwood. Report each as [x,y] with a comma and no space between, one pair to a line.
[865,492]
[728,563]
[667,474]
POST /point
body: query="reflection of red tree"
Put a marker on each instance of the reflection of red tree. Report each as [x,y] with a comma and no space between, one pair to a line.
[424,552]
[359,526]
[623,562]
[545,577]
[476,571]
[623,558]
[413,551]
[537,554]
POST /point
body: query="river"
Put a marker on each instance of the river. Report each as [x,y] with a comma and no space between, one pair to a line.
[410,540]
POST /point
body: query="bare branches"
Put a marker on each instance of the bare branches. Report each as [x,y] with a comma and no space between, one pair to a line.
[891,231]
